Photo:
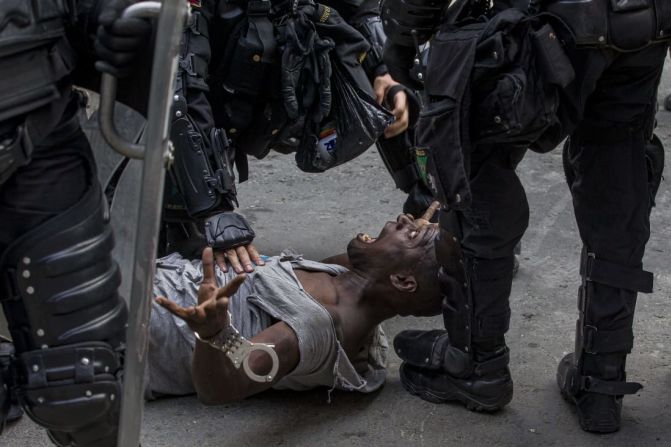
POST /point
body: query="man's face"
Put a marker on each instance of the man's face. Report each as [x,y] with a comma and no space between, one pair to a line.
[399,247]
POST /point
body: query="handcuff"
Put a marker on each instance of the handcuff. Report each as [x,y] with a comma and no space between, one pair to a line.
[238,349]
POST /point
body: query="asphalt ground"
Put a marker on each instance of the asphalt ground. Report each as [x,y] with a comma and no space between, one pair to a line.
[318,214]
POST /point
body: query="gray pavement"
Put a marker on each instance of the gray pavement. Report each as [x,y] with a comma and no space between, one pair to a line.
[318,214]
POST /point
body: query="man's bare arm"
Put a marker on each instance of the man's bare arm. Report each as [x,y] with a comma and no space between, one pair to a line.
[218,382]
[215,378]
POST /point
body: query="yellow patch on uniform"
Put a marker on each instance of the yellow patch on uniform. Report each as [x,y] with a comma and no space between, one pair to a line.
[325,15]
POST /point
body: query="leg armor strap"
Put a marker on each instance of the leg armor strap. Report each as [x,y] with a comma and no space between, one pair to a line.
[73,391]
[614,275]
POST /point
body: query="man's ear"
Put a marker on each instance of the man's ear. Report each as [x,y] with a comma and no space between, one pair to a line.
[404,283]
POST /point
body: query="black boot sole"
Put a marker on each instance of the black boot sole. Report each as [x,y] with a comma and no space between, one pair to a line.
[455,394]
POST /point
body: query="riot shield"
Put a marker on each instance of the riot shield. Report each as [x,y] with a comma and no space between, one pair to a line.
[155,151]
[120,178]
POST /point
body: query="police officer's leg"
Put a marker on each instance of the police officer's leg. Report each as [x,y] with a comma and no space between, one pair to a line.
[59,291]
[608,178]
[469,362]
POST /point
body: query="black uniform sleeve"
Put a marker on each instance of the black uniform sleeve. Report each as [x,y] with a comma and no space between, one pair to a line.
[364,15]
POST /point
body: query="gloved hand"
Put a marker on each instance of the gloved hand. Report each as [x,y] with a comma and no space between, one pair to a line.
[231,236]
[119,40]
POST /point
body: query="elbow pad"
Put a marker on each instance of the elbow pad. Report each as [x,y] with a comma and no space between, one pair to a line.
[203,168]
[411,22]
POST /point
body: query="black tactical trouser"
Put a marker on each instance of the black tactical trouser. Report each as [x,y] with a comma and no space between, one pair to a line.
[488,231]
[57,176]
[611,107]
[604,159]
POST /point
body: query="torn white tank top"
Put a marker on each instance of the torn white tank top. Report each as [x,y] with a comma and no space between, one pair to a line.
[272,292]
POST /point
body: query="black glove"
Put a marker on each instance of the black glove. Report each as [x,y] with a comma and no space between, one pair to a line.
[119,40]
[228,230]
[299,37]
[306,67]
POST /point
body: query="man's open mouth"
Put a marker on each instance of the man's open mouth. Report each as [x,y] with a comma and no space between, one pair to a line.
[363,237]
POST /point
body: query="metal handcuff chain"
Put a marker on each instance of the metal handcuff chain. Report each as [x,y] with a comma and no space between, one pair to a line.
[238,349]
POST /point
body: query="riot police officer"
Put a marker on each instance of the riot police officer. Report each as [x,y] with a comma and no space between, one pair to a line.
[229,106]
[58,283]
[616,50]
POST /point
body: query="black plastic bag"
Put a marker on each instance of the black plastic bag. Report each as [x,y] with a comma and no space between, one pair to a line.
[355,123]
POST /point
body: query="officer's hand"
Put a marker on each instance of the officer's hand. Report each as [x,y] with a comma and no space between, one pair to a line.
[119,40]
[381,85]
[210,316]
[242,259]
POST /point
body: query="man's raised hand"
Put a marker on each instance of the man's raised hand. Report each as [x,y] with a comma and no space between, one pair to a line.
[210,316]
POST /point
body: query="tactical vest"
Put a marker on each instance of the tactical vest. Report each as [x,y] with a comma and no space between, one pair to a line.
[493,81]
[625,25]
[34,54]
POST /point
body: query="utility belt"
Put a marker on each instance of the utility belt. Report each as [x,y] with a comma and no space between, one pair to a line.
[34,57]
[625,25]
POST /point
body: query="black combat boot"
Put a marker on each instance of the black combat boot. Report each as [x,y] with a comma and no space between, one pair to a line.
[593,376]
[438,372]
[597,392]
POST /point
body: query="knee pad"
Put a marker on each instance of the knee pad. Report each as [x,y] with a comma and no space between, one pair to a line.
[60,282]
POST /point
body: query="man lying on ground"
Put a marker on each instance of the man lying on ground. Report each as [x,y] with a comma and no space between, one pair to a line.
[322,318]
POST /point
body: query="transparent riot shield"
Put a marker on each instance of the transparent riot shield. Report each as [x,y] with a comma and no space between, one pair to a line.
[155,152]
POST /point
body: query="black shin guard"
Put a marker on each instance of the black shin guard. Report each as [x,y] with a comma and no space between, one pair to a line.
[476,312]
[67,321]
[468,362]
[490,283]
[593,377]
